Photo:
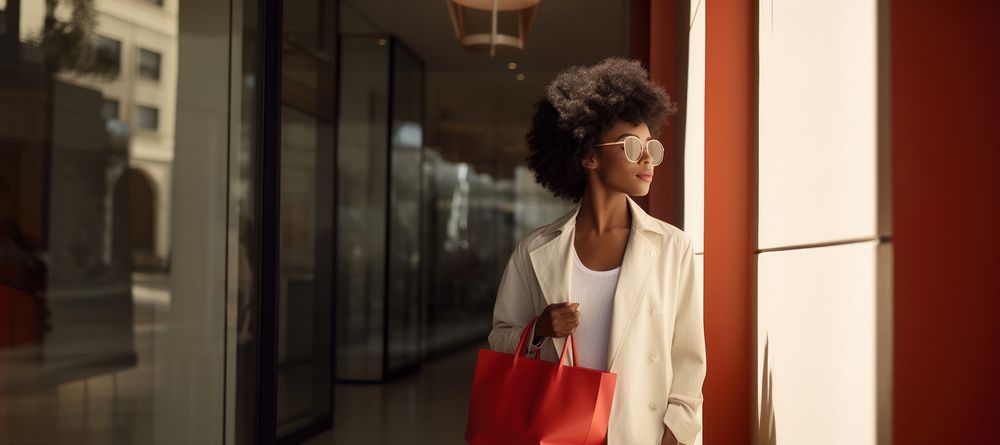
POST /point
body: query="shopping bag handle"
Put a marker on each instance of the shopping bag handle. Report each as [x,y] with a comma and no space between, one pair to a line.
[523,344]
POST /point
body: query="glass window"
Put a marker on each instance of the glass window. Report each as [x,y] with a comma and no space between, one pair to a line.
[109,54]
[403,257]
[381,145]
[149,64]
[113,247]
[148,117]
[109,109]
[306,201]
[285,222]
[362,169]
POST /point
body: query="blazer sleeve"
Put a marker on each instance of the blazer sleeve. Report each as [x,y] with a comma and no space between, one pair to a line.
[687,354]
[513,309]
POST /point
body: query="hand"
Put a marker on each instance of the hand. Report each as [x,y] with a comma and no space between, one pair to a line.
[558,320]
[668,438]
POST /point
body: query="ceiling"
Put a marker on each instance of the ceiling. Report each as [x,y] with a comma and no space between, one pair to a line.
[564,32]
[476,111]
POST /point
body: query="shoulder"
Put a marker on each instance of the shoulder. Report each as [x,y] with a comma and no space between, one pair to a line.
[538,236]
[668,237]
[533,239]
[671,237]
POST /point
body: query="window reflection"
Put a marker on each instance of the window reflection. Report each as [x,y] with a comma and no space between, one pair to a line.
[149,64]
[470,230]
[306,212]
[103,337]
[379,209]
[362,177]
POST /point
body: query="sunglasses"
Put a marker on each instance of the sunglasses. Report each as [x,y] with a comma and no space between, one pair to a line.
[633,149]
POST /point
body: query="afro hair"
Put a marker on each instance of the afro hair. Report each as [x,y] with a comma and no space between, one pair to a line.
[579,105]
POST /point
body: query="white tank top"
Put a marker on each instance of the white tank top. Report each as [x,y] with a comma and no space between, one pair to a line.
[595,291]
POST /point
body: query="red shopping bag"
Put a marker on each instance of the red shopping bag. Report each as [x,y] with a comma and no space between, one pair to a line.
[517,400]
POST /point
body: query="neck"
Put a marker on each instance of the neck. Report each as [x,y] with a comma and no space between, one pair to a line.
[601,211]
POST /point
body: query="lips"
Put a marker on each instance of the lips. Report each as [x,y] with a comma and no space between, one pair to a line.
[645,175]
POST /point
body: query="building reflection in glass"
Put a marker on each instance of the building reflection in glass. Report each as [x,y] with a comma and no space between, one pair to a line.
[110,300]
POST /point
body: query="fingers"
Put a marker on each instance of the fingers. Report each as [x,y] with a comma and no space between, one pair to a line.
[565,311]
[561,305]
[563,318]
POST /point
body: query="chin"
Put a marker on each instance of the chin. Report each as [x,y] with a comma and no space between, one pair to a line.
[640,192]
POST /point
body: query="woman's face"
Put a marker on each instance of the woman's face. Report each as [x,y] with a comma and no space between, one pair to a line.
[613,169]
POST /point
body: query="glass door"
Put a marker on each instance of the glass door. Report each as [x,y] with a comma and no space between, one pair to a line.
[306,202]
[405,178]
[380,167]
[284,191]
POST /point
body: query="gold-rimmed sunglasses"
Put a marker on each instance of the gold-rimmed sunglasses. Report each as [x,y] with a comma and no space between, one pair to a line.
[633,147]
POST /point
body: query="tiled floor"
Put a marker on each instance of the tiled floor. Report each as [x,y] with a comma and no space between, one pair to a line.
[428,407]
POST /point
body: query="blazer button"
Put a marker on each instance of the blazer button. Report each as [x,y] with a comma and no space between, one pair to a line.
[655,311]
[653,358]
[654,406]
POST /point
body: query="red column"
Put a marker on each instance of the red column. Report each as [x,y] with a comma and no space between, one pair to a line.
[729,135]
[946,221]
[729,123]
[666,192]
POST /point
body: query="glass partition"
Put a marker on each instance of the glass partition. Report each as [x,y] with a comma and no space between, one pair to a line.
[362,172]
[306,208]
[379,185]
[406,142]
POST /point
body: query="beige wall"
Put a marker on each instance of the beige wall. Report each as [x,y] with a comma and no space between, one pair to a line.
[820,259]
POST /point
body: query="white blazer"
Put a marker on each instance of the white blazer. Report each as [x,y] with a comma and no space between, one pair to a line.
[657,343]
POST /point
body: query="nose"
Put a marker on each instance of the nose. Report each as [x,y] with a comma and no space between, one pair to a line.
[644,156]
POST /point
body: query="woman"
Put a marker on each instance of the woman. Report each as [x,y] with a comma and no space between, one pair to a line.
[622,282]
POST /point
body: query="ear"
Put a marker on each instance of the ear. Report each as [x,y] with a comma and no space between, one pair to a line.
[589,161]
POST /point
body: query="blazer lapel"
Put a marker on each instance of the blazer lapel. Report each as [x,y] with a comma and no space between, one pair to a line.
[552,266]
[641,253]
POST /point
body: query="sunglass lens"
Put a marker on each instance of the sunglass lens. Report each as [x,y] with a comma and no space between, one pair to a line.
[655,150]
[633,148]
